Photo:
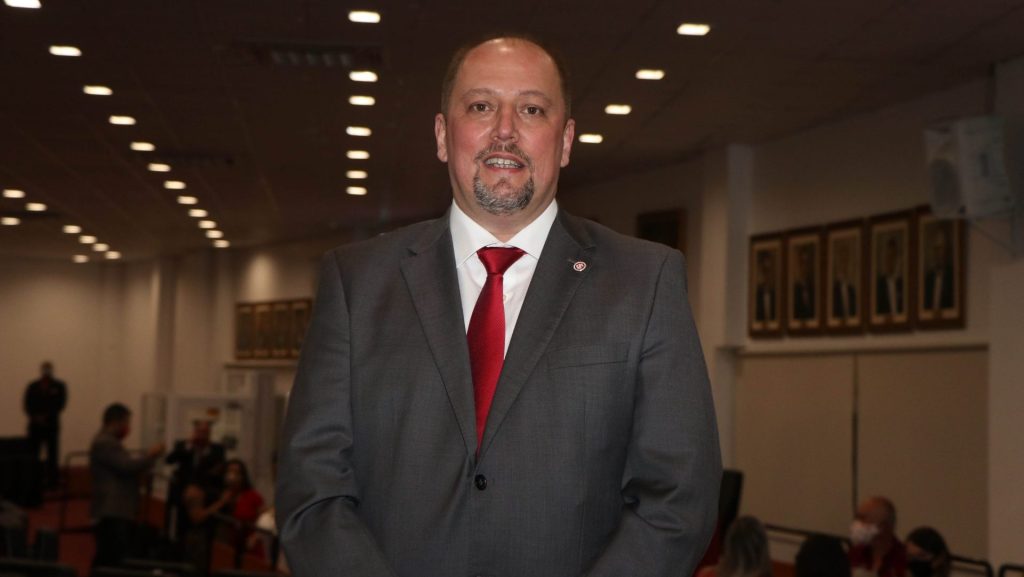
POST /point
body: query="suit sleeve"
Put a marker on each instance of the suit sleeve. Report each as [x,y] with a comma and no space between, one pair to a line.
[317,491]
[673,467]
[115,457]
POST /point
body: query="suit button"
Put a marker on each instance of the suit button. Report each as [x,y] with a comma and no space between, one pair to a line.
[481,482]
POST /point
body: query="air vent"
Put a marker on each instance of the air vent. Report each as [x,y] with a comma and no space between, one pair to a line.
[318,56]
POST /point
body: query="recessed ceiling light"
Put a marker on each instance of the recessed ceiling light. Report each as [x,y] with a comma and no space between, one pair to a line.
[10,221]
[356,190]
[80,258]
[188,200]
[100,247]
[96,90]
[65,51]
[87,239]
[650,74]
[221,243]
[34,4]
[693,29]
[214,234]
[174,185]
[363,76]
[358,131]
[35,207]
[207,224]
[143,146]
[72,229]
[357,154]
[112,255]
[158,167]
[591,138]
[618,109]
[197,213]
[13,193]
[364,16]
[122,120]
[360,100]
[356,174]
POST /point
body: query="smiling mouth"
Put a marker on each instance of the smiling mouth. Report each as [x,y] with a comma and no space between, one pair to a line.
[498,162]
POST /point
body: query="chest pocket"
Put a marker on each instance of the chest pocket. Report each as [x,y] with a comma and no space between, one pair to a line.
[586,355]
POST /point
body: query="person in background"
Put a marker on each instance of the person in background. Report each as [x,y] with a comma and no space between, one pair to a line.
[927,554]
[198,461]
[115,486]
[873,534]
[744,553]
[45,399]
[822,556]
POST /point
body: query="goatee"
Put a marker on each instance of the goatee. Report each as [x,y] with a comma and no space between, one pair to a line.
[502,204]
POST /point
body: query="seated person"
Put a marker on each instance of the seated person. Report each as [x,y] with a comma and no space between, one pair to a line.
[927,554]
[744,552]
[821,556]
[873,534]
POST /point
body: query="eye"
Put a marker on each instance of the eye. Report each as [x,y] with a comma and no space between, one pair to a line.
[479,107]
[533,110]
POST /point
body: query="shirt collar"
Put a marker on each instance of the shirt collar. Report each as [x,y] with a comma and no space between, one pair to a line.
[469,237]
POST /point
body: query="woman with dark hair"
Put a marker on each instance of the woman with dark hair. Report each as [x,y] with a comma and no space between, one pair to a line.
[822,556]
[927,554]
[744,552]
[243,502]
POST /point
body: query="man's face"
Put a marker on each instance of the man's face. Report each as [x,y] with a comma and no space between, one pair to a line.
[46,369]
[123,427]
[505,134]
[201,433]
[873,512]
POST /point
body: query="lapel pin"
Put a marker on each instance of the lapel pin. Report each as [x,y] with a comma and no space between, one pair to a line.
[579,266]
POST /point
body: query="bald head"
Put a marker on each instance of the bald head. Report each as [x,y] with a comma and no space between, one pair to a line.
[455,66]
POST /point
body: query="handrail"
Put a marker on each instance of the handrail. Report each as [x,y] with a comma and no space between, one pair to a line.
[976,562]
[1007,567]
[803,532]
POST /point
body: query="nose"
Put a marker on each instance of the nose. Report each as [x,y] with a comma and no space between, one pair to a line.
[505,125]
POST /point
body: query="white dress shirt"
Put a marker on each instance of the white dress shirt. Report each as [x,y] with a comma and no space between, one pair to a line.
[469,237]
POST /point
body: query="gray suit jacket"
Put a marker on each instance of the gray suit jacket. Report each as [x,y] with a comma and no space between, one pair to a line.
[115,478]
[600,455]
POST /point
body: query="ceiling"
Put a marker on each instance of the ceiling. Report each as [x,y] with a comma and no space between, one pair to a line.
[262,145]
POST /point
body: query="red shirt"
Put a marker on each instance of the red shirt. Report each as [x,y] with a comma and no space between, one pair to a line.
[894,563]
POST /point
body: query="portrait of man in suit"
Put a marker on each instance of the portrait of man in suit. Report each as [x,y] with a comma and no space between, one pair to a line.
[844,279]
[765,298]
[890,293]
[507,390]
[938,283]
[804,285]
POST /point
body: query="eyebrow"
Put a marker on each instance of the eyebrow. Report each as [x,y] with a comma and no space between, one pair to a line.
[490,92]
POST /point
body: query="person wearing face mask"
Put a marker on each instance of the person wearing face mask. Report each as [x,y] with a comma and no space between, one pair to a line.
[875,547]
[115,485]
[927,554]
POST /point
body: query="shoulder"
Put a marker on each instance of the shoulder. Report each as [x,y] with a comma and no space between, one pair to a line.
[609,244]
[390,246]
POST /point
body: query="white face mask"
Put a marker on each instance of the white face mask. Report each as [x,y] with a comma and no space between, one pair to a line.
[862,533]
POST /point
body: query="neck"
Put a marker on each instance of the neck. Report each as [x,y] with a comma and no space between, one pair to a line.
[504,227]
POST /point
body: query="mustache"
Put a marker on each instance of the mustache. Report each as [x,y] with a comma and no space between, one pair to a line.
[505,148]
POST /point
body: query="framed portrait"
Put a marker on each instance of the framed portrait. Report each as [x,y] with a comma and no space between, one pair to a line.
[300,312]
[667,227]
[891,280]
[244,331]
[804,275]
[845,274]
[940,271]
[767,273]
[263,332]
[282,332]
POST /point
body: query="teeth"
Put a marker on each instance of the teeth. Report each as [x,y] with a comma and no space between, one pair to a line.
[502,163]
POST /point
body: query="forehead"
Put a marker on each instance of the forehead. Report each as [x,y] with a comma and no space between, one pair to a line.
[507,65]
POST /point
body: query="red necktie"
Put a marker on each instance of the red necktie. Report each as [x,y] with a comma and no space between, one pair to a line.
[486,333]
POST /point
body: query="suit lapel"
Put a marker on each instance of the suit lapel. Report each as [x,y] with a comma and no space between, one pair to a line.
[551,290]
[430,274]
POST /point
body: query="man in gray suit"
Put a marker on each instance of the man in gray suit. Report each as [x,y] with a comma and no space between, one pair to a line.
[594,453]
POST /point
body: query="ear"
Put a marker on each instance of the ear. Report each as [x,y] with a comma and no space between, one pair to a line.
[440,133]
[568,136]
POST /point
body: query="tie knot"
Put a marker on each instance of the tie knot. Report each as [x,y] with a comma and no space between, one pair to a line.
[497,259]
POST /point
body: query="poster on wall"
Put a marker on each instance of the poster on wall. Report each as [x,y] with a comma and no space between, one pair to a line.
[803,281]
[845,274]
[245,330]
[940,271]
[765,300]
[300,312]
[264,331]
[282,331]
[891,282]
